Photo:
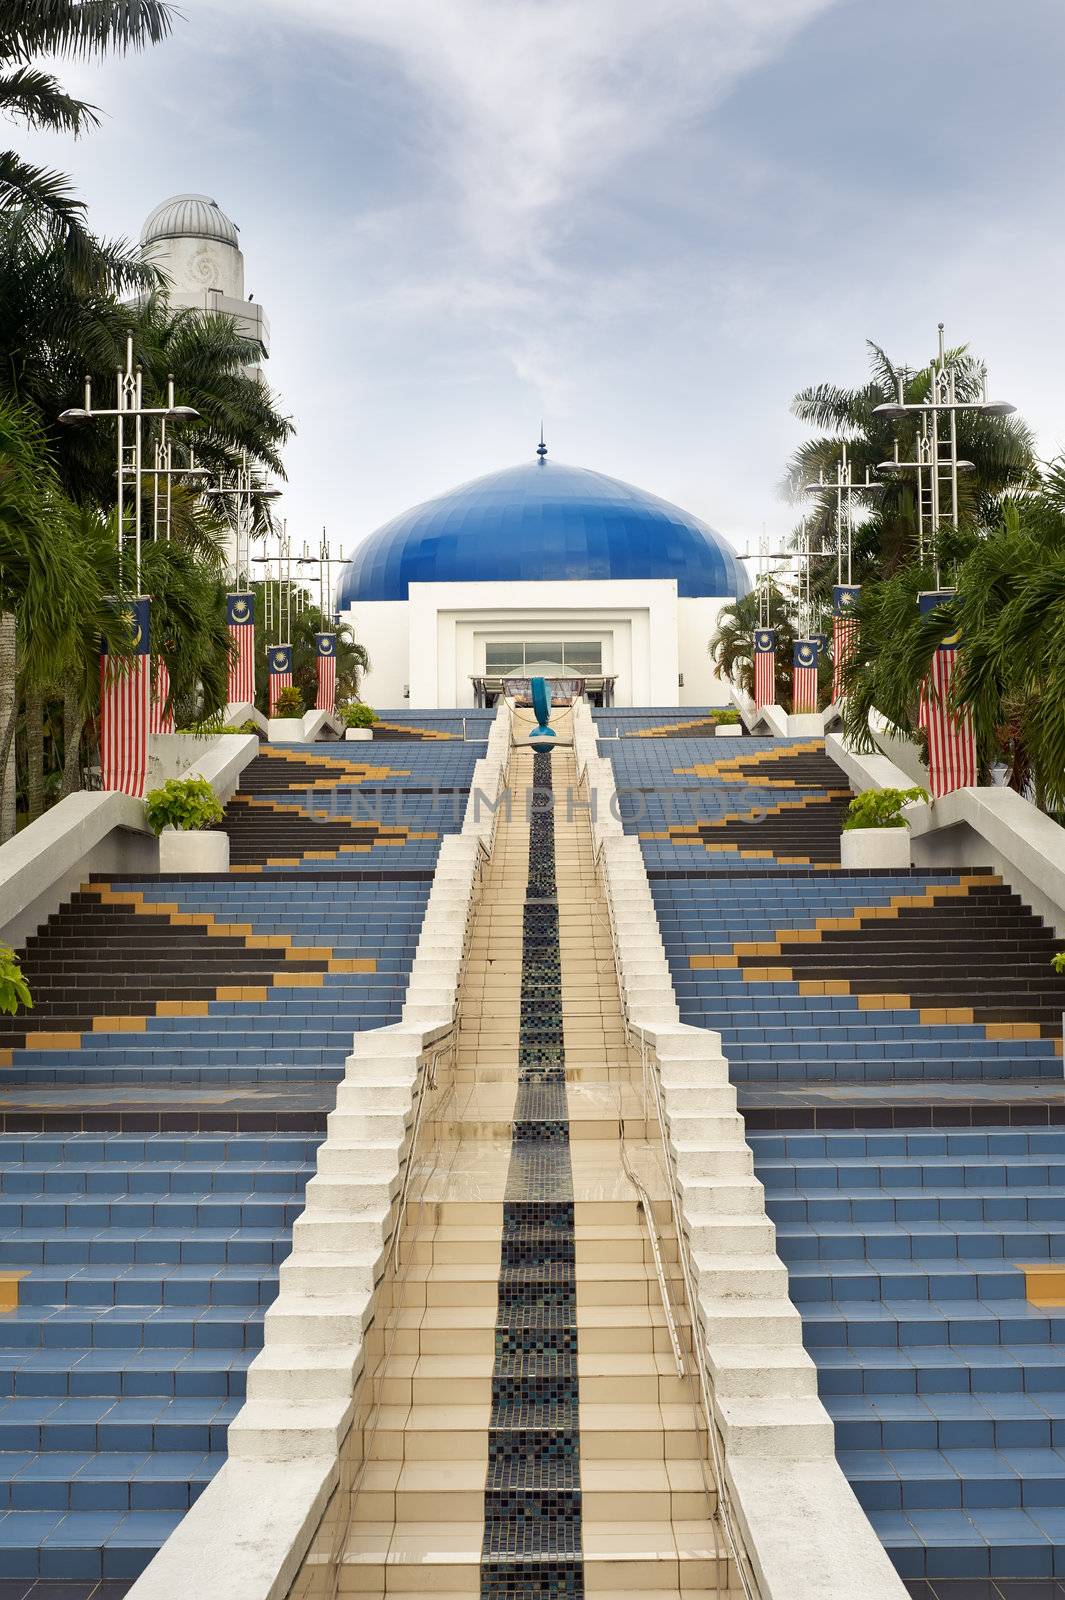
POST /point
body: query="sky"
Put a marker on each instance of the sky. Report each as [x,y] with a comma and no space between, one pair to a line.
[648,224]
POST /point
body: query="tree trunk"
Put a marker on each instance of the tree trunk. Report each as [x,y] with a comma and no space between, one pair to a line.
[73,724]
[34,755]
[8,710]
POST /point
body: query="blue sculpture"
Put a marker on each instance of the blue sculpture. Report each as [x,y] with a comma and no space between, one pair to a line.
[541,736]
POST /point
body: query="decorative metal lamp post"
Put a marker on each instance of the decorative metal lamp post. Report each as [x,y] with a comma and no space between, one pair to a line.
[951,740]
[125,685]
[845,593]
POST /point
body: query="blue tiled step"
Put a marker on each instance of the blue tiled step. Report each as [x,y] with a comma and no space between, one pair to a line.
[139,1212]
[866,1281]
[886,1242]
[240,1247]
[81,1544]
[129,1327]
[99,1424]
[928,1322]
[978,1173]
[147,1285]
[75,1373]
[1035,1369]
[975,1543]
[987,1421]
[930,1480]
[84,1481]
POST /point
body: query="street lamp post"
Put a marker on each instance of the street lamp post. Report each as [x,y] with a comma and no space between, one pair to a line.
[129,411]
[936,460]
[244,488]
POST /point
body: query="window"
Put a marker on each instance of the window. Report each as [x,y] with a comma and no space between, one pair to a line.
[578,658]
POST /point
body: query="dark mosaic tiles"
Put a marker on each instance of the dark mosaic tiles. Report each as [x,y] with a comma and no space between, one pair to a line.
[532,1534]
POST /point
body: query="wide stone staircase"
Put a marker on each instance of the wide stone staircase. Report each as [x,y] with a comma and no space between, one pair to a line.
[895,1039]
[161,1108]
[522,1428]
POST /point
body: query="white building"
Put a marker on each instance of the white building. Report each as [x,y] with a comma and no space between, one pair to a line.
[197,246]
[541,568]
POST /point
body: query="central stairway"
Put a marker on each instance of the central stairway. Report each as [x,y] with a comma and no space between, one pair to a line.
[522,1429]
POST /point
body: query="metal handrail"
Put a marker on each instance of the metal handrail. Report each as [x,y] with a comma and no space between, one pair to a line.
[643,1202]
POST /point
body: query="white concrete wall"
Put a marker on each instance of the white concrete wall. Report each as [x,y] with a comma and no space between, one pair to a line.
[696,625]
[383,626]
[196,265]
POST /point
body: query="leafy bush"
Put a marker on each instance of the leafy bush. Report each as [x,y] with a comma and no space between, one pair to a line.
[289,703]
[186,803]
[881,808]
[1058,961]
[356,715]
[725,718]
[14,990]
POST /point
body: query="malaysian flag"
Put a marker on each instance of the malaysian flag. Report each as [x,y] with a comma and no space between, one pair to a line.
[804,676]
[161,719]
[327,670]
[280,659]
[124,694]
[240,618]
[951,739]
[765,667]
[844,633]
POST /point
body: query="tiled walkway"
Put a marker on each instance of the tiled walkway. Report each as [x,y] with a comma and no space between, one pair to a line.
[513,1447]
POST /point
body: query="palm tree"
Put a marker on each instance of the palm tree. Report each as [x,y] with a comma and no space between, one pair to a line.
[732,646]
[1000,448]
[351,657]
[72,29]
[50,584]
[1009,610]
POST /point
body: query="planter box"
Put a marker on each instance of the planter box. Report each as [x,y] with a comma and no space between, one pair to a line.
[193,850]
[729,730]
[875,847]
[286,730]
[358,733]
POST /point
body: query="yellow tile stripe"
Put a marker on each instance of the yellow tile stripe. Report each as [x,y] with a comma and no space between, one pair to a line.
[10,1278]
[280,943]
[1044,1284]
[730,769]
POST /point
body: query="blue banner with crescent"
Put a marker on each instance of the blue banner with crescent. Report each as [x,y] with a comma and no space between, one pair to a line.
[326,643]
[845,598]
[931,600]
[280,658]
[240,610]
[135,614]
[765,640]
[804,653]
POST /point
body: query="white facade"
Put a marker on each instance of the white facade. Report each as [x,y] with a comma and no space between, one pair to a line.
[426,650]
[190,238]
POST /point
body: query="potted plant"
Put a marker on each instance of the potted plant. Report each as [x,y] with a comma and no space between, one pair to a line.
[180,812]
[286,724]
[14,990]
[727,724]
[875,832]
[358,720]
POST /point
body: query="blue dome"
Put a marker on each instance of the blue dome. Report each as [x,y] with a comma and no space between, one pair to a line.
[541,522]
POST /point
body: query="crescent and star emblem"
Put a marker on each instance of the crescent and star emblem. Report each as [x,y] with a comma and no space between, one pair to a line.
[327,647]
[138,635]
[240,610]
[805,653]
[280,662]
[952,639]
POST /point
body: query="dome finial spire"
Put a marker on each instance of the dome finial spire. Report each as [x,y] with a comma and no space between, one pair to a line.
[541,448]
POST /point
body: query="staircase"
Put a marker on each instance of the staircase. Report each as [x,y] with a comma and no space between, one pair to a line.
[895,1039]
[161,1112]
[527,1430]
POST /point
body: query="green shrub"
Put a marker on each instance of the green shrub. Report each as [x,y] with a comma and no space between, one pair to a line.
[289,703]
[356,715]
[186,803]
[1058,961]
[725,718]
[881,808]
[14,990]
